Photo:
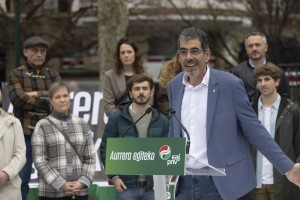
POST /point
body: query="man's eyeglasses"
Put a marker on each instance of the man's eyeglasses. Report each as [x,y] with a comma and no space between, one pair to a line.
[193,52]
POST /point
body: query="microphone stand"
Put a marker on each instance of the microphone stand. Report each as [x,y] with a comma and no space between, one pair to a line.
[187,149]
[147,111]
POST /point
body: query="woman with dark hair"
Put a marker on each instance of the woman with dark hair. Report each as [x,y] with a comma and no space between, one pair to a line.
[127,63]
[63,150]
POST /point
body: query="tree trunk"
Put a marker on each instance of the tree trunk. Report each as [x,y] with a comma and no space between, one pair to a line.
[113,23]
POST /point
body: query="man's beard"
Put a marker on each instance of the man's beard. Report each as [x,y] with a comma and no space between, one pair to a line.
[256,56]
[138,102]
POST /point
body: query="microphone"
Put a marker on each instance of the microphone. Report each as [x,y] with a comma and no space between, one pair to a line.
[147,111]
[187,149]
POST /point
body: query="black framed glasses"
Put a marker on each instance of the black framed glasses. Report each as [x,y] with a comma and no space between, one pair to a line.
[193,52]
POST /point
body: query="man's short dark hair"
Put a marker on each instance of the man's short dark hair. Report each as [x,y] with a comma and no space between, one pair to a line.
[193,33]
[138,78]
[268,69]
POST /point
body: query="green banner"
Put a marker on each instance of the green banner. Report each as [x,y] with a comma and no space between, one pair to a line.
[145,156]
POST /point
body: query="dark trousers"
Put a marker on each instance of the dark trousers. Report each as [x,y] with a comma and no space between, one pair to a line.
[202,188]
[25,173]
[197,188]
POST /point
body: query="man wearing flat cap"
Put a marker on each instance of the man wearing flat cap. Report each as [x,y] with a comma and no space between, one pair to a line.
[28,90]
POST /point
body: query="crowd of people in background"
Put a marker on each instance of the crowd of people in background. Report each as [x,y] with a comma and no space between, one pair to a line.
[223,113]
[65,165]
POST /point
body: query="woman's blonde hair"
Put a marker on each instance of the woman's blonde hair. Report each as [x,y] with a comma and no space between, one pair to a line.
[54,87]
[170,69]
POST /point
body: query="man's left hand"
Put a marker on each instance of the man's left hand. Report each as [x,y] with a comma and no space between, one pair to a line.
[294,174]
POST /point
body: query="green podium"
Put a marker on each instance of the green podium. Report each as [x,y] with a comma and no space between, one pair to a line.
[145,156]
[155,156]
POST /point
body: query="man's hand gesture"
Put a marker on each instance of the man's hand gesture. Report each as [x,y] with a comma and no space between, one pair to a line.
[294,174]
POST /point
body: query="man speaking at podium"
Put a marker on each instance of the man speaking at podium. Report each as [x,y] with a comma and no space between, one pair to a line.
[136,119]
[215,110]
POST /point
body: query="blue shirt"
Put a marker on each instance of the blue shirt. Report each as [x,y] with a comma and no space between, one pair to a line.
[274,112]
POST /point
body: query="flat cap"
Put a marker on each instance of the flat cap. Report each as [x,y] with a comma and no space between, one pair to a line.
[35,40]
